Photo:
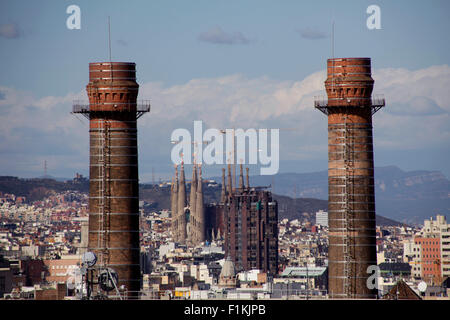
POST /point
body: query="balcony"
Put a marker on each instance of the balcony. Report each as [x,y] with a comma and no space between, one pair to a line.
[84,107]
[377,102]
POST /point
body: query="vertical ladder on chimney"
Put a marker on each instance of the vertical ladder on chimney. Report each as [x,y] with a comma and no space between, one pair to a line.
[104,192]
[348,223]
[101,197]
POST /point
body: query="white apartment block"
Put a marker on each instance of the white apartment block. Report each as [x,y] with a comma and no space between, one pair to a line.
[322,218]
[411,255]
[440,228]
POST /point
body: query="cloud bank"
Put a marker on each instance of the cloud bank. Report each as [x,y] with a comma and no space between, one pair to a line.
[417,116]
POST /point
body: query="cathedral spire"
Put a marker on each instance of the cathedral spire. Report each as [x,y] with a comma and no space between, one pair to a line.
[174,205]
[247,178]
[223,194]
[230,182]
[241,178]
[181,206]
[193,195]
[200,227]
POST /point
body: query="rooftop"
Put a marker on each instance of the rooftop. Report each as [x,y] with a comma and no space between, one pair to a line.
[303,271]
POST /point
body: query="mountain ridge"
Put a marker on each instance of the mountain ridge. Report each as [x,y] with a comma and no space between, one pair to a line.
[159,197]
[405,196]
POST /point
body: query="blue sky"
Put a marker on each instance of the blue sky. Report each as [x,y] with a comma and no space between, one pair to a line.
[264,51]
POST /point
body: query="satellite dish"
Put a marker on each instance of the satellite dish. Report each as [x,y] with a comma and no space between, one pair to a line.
[89,259]
[108,279]
[422,286]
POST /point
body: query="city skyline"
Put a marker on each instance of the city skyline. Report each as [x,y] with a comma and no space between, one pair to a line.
[219,63]
[50,236]
[226,84]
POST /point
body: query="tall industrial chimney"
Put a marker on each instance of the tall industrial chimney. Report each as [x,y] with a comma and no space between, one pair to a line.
[351,194]
[114,190]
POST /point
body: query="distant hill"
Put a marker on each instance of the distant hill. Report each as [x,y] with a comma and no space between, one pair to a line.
[37,189]
[400,204]
[406,196]
[53,178]
[382,221]
[303,209]
[159,197]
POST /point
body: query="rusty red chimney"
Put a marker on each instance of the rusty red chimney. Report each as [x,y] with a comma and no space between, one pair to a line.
[351,194]
[114,190]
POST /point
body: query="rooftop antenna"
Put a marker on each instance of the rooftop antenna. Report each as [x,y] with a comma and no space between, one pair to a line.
[109,37]
[332,39]
[45,168]
[332,51]
[109,45]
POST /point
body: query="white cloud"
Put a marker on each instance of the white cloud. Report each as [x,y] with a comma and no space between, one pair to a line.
[417,110]
[416,115]
[36,129]
[402,85]
[416,105]
[233,100]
